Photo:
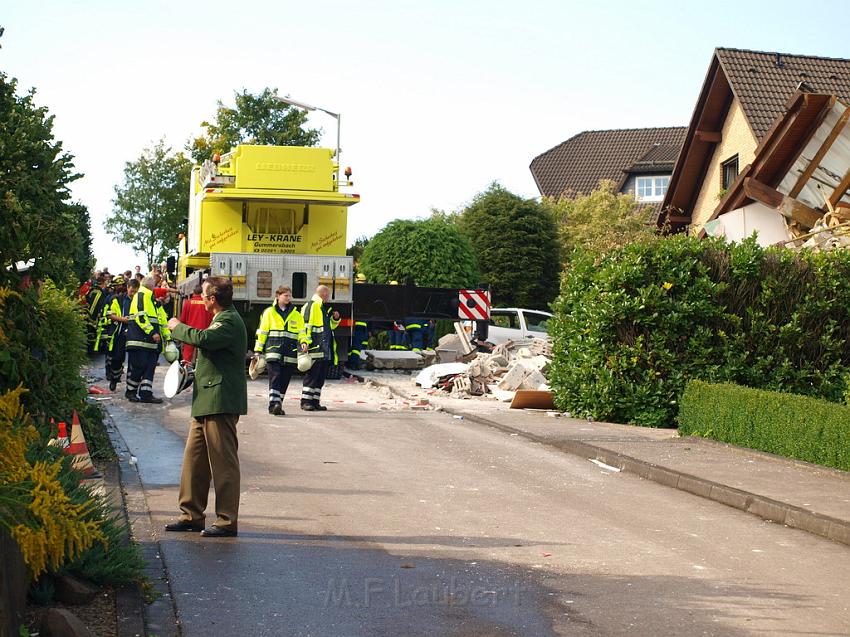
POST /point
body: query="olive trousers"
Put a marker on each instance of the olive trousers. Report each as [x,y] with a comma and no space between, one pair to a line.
[211,456]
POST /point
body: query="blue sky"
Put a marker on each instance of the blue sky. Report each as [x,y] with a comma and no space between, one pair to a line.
[438,98]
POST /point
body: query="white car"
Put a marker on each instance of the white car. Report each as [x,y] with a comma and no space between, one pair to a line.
[517,325]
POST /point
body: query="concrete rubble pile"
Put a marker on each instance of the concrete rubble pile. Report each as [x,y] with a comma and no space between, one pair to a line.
[499,373]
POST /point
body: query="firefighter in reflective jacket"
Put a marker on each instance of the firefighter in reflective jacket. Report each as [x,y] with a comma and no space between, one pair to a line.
[145,334]
[359,337]
[320,320]
[279,337]
[414,328]
[359,343]
[95,300]
[117,312]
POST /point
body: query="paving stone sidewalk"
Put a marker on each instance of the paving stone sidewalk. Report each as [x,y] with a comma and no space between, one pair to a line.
[798,494]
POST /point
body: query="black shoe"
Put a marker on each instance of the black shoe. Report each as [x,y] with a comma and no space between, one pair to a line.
[308,406]
[112,385]
[271,409]
[153,400]
[277,410]
[184,526]
[131,397]
[318,407]
[217,531]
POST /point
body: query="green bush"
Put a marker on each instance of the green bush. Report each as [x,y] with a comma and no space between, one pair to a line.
[633,325]
[431,252]
[785,424]
[43,348]
[515,242]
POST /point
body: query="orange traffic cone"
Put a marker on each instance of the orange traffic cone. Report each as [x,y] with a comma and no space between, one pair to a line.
[61,439]
[78,448]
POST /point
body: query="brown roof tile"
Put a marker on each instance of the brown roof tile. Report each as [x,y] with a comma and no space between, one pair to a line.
[763,82]
[578,164]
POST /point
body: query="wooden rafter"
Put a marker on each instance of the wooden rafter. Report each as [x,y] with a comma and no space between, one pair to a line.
[710,136]
[821,153]
[842,187]
[785,205]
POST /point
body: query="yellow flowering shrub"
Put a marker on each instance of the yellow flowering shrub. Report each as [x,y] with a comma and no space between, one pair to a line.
[48,527]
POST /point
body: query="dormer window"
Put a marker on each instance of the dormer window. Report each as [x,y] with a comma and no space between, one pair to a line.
[651,189]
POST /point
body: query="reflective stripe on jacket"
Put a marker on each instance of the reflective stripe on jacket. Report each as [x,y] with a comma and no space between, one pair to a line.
[319,326]
[144,321]
[279,337]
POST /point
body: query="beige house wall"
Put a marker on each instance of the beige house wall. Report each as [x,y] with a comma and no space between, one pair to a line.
[736,139]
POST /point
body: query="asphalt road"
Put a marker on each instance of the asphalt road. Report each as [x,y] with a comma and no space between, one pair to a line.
[372,519]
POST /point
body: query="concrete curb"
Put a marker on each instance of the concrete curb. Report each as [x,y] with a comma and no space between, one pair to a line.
[766,508]
[160,616]
[128,599]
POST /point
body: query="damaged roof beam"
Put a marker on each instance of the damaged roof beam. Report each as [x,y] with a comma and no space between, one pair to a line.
[821,153]
[841,189]
[786,206]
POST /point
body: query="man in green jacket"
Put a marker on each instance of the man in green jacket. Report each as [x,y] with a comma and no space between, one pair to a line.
[219,397]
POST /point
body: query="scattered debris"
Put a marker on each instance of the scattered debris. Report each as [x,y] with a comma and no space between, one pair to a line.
[602,465]
[430,376]
[502,373]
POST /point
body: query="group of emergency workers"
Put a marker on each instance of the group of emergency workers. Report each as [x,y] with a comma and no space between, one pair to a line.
[127,319]
[414,334]
[285,332]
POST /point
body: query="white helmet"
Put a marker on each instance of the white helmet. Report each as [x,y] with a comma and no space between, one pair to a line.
[305,362]
[179,376]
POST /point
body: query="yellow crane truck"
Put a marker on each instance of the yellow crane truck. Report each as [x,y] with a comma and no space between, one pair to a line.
[266,216]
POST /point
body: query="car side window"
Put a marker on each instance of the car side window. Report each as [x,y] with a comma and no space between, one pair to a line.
[537,322]
[503,320]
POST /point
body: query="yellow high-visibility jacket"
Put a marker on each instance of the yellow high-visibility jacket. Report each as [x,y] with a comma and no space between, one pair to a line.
[279,334]
[148,318]
[319,325]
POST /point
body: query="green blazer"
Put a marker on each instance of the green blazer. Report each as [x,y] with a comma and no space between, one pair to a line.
[220,385]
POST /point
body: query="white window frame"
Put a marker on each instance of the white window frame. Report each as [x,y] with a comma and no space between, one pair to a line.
[658,190]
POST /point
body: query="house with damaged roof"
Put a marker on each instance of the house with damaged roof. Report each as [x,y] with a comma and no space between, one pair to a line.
[638,160]
[768,131]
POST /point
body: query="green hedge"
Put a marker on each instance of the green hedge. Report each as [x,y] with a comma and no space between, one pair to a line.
[632,326]
[785,424]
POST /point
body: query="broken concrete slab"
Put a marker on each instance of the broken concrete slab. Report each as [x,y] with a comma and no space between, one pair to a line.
[513,379]
[393,359]
[533,380]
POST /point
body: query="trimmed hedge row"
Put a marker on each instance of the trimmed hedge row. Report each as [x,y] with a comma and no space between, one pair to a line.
[634,325]
[785,424]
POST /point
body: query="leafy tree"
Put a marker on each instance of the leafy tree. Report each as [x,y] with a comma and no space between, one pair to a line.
[516,245]
[37,219]
[430,252]
[255,119]
[150,207]
[356,251]
[601,221]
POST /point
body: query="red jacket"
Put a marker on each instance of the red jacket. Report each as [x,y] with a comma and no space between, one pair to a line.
[194,314]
